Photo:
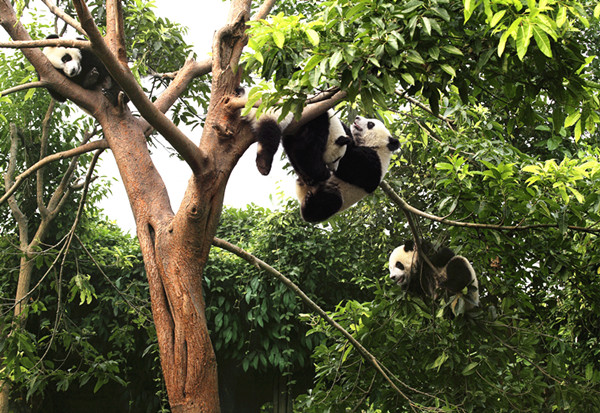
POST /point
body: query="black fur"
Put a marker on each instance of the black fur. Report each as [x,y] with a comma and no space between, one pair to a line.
[268,135]
[306,147]
[360,167]
[321,202]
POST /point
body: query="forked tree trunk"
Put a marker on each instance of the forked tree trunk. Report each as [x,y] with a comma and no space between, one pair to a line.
[175,247]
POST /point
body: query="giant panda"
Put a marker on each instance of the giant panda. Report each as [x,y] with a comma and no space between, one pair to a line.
[314,150]
[359,172]
[82,67]
[417,277]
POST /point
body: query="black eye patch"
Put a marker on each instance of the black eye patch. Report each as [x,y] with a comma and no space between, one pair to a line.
[370,125]
[399,265]
[66,58]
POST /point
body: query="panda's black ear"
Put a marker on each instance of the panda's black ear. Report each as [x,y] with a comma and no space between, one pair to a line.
[409,245]
[52,36]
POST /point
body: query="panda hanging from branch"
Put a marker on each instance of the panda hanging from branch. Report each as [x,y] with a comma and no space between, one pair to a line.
[445,274]
[337,165]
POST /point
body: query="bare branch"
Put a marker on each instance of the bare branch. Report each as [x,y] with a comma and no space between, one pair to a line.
[100,144]
[406,207]
[264,10]
[29,44]
[115,30]
[24,86]
[64,16]
[121,73]
[43,150]
[8,181]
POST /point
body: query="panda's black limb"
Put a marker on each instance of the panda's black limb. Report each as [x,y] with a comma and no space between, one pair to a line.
[268,134]
[320,203]
[458,274]
[305,150]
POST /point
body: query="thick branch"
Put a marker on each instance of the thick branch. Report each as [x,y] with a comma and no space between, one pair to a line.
[89,147]
[184,146]
[115,30]
[406,207]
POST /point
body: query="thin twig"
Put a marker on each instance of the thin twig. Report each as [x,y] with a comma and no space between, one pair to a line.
[100,144]
[406,207]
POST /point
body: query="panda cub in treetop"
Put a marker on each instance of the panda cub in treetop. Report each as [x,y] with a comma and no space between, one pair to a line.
[418,278]
[314,150]
[82,67]
[359,172]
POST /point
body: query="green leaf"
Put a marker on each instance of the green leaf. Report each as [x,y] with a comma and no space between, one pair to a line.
[497,17]
[427,25]
[452,50]
[278,38]
[523,39]
[561,18]
[313,37]
[448,69]
[408,78]
[469,9]
[335,59]
[572,119]
[542,41]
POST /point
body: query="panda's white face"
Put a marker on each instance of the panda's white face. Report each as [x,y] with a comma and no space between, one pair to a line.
[373,133]
[66,59]
[401,265]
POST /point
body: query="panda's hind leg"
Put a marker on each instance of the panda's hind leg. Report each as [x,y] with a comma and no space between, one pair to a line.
[268,134]
[459,274]
[318,203]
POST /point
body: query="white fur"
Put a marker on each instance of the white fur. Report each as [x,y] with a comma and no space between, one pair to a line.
[333,152]
[56,55]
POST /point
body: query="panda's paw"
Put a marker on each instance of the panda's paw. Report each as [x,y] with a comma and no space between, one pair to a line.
[264,162]
[91,79]
[111,95]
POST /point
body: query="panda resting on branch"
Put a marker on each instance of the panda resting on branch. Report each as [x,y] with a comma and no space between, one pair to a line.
[451,275]
[82,67]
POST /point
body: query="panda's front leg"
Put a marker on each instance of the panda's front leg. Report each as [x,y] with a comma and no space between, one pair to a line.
[91,79]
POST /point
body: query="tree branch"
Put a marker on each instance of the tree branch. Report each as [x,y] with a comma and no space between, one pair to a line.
[8,181]
[115,30]
[29,44]
[43,149]
[194,157]
[100,144]
[31,85]
[314,307]
[64,16]
[264,10]
[406,207]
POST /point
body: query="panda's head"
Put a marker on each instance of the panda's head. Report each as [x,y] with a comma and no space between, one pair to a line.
[402,262]
[373,133]
[65,59]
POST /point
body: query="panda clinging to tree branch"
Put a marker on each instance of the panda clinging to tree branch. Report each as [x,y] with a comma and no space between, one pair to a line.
[451,273]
